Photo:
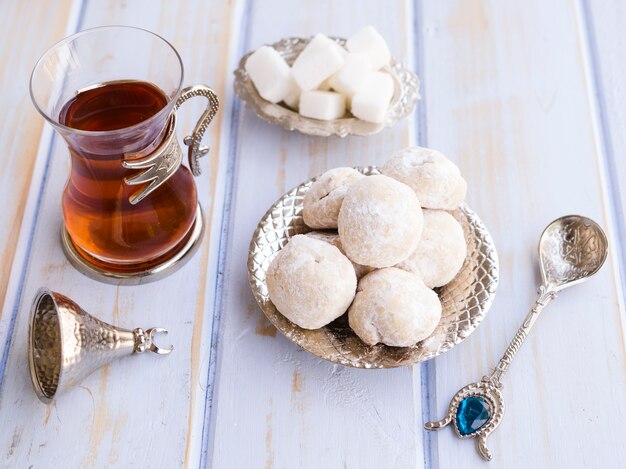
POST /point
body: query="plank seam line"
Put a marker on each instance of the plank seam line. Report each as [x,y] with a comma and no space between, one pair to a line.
[22,281]
[31,235]
[223,247]
[606,147]
[428,368]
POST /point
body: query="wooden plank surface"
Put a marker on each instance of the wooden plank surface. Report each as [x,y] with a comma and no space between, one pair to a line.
[605,38]
[25,34]
[529,107]
[507,97]
[278,406]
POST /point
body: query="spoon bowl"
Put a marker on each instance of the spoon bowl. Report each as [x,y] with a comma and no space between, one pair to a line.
[572,248]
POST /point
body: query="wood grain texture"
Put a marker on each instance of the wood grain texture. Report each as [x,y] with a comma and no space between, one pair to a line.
[276,405]
[146,411]
[508,99]
[25,33]
[526,97]
[603,25]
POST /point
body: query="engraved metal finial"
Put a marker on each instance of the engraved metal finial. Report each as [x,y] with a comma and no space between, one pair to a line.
[144,340]
[571,249]
[66,344]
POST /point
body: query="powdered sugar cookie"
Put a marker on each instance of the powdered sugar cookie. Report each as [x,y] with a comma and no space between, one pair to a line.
[436,180]
[440,252]
[324,198]
[394,307]
[311,282]
[332,237]
[380,222]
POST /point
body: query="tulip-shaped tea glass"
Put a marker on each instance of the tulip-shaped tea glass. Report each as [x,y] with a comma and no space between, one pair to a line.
[130,208]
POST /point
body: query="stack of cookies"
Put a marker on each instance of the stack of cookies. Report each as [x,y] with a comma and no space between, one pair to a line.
[380,245]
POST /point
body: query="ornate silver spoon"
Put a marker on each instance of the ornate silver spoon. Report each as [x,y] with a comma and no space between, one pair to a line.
[571,249]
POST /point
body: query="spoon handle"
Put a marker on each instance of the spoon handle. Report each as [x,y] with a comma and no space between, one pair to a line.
[477,409]
[545,296]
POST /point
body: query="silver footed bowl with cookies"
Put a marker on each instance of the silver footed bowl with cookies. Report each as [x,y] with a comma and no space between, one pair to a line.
[375,267]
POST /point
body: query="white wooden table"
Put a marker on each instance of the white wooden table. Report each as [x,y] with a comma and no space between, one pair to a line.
[529,98]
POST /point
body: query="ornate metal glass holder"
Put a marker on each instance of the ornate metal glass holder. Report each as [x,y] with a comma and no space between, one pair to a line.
[130,207]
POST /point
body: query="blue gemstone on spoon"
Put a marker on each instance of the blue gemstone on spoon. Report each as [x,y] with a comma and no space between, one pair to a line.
[471,415]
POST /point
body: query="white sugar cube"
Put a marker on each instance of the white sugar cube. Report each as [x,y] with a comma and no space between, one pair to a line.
[293,98]
[318,61]
[325,85]
[319,41]
[324,105]
[270,74]
[371,101]
[352,75]
[340,48]
[369,42]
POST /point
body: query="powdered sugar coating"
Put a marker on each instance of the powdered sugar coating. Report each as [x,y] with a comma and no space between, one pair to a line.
[311,282]
[323,200]
[394,307]
[440,252]
[380,221]
[332,237]
[436,180]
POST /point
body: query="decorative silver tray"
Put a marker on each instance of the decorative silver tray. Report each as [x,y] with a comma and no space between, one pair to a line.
[465,300]
[405,97]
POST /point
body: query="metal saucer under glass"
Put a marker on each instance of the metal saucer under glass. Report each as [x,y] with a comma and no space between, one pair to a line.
[149,272]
